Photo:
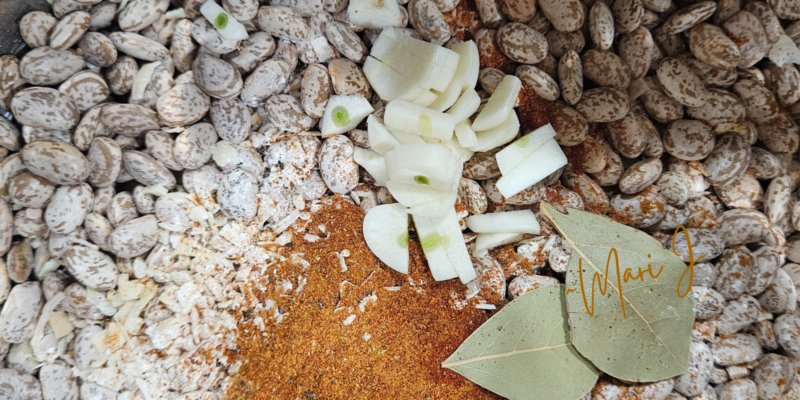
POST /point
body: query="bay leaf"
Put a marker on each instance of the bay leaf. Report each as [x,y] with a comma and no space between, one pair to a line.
[524,353]
[639,330]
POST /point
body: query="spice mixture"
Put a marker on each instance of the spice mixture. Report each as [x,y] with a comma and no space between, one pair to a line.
[354,333]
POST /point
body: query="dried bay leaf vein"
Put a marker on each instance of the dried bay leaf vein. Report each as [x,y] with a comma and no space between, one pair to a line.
[524,352]
[501,355]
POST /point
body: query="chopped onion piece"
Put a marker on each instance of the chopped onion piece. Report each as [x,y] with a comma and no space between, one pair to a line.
[419,119]
[446,99]
[498,136]
[426,98]
[227,26]
[514,154]
[420,63]
[537,166]
[178,13]
[434,208]
[437,164]
[469,64]
[454,146]
[465,135]
[793,30]
[388,83]
[638,88]
[44,318]
[380,139]
[405,137]
[521,221]
[500,104]
[448,71]
[120,7]
[487,241]
[412,195]
[444,248]
[386,233]
[466,105]
[344,113]
[373,163]
[416,67]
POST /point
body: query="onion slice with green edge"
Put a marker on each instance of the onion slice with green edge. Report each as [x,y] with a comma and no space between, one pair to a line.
[414,195]
[344,113]
[522,148]
[538,165]
[423,121]
[444,248]
[386,233]
[439,167]
[227,26]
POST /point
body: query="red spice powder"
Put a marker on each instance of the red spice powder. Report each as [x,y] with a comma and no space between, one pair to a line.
[311,354]
[575,157]
[534,111]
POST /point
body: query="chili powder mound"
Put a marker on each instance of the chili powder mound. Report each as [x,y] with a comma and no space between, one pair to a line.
[404,326]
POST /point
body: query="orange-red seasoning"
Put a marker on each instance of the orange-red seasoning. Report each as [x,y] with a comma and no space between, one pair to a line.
[311,354]
[533,110]
[575,157]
